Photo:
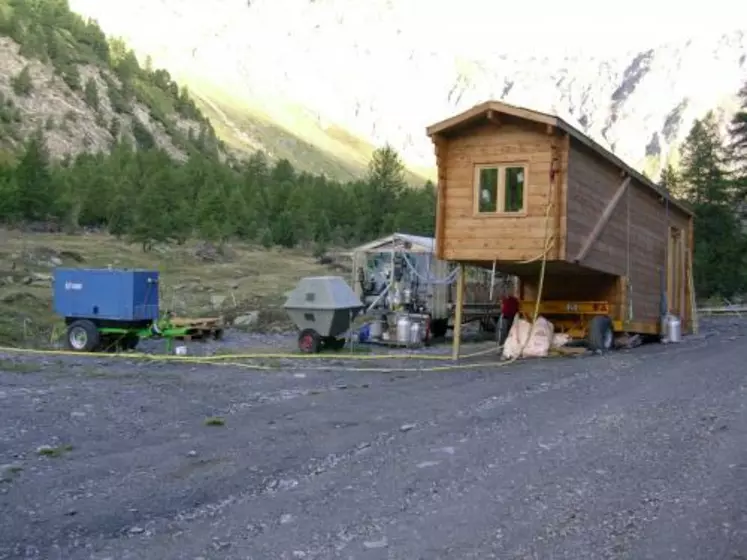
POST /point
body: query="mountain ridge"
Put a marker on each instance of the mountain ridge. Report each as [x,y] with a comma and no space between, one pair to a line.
[61,76]
[380,80]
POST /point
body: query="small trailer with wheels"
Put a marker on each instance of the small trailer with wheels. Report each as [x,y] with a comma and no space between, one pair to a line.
[322,308]
[604,249]
[106,309]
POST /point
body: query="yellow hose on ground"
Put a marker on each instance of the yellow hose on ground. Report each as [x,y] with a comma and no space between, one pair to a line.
[247,356]
[223,359]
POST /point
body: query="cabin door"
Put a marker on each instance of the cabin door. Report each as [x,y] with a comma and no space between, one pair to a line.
[676,273]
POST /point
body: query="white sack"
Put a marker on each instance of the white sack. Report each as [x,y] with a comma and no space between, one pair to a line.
[560,339]
[538,345]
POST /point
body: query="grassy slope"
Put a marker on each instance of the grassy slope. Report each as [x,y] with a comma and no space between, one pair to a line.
[288,132]
[246,131]
[251,279]
[63,52]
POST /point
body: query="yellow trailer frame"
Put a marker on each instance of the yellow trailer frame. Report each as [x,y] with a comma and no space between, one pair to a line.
[573,317]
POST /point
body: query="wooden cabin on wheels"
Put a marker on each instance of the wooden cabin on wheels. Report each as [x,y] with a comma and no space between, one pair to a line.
[604,249]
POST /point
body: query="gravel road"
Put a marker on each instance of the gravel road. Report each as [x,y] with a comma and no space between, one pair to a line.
[637,454]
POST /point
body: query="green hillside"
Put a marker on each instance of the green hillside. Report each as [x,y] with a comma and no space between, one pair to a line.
[60,70]
[288,134]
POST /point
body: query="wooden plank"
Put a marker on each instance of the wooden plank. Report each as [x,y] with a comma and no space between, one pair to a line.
[487,256]
[692,307]
[622,298]
[557,174]
[517,228]
[536,245]
[603,219]
[441,151]
[458,313]
[186,321]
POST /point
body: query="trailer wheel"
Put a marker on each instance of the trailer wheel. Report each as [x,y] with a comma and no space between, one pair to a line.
[601,337]
[309,341]
[82,336]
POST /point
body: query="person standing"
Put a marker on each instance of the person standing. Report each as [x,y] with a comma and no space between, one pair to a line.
[509,310]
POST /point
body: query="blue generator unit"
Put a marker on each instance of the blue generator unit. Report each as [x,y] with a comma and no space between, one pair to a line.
[100,302]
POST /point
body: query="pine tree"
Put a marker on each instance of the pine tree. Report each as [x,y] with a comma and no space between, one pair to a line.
[385,183]
[738,132]
[738,146]
[704,176]
[386,172]
[719,252]
[239,219]
[153,212]
[211,215]
[671,181]
[91,93]
[22,83]
[9,197]
[34,180]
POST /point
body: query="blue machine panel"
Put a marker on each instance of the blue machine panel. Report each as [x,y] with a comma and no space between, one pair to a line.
[112,295]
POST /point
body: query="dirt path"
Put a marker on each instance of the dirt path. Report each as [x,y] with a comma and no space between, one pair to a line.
[638,454]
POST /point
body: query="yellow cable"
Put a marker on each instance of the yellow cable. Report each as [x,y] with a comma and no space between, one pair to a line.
[247,356]
[223,359]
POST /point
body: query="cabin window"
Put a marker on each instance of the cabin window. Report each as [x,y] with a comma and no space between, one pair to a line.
[500,188]
[513,192]
[488,189]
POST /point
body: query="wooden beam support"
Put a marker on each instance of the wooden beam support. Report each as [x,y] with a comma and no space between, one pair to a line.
[441,149]
[458,314]
[692,304]
[603,219]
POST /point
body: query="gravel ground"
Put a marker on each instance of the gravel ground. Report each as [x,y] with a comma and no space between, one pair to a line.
[637,454]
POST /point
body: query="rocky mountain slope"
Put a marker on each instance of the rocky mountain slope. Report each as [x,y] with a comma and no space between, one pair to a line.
[58,75]
[343,78]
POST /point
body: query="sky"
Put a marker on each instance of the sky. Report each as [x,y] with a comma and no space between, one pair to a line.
[595,27]
[465,27]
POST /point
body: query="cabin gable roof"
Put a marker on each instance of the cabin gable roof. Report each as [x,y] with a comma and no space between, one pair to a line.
[484,111]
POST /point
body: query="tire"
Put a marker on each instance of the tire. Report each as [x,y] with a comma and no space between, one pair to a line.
[600,337]
[82,336]
[439,328]
[309,341]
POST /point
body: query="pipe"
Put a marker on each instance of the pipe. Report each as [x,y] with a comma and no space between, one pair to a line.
[492,282]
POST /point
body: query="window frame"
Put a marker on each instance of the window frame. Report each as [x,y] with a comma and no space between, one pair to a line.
[500,190]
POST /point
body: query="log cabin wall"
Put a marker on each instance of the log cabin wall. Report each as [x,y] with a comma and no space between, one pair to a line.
[463,233]
[633,243]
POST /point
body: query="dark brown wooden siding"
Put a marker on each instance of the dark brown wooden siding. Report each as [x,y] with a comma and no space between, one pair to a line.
[633,243]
